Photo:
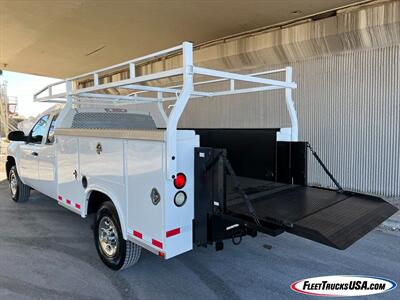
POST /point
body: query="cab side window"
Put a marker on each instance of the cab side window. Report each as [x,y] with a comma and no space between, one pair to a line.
[39,130]
[50,135]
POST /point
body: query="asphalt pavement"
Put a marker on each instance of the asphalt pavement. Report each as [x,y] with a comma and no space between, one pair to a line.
[47,252]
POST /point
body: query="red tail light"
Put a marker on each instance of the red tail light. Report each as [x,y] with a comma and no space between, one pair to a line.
[180,180]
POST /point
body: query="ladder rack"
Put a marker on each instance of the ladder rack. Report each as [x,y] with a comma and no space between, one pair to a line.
[181,94]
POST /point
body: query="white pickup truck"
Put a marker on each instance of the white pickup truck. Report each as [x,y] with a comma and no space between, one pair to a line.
[113,151]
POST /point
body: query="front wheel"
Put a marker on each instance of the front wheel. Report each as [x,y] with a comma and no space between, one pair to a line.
[19,191]
[114,251]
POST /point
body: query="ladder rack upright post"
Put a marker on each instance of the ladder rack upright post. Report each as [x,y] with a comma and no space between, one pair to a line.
[290,106]
[180,104]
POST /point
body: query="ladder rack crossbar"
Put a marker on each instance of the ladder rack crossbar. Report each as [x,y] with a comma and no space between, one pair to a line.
[240,77]
[127,82]
[118,97]
[230,92]
[215,81]
[134,62]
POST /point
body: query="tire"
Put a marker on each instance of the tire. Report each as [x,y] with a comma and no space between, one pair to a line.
[115,252]
[19,191]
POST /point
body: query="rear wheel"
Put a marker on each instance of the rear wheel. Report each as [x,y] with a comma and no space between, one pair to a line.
[19,191]
[114,251]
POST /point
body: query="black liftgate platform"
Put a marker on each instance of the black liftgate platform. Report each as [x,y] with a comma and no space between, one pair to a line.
[247,182]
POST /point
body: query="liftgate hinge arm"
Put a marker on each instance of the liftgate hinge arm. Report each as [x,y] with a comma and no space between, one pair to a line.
[324,167]
[231,172]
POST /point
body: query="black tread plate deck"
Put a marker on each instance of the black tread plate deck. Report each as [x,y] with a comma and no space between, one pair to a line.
[343,223]
[325,216]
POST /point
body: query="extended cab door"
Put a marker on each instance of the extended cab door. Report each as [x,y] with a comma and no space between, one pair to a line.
[47,183]
[29,153]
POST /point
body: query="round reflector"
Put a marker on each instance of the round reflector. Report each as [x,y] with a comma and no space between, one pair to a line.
[180,180]
[180,198]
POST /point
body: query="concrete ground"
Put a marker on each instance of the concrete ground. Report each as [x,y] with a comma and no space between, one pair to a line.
[393,223]
[47,252]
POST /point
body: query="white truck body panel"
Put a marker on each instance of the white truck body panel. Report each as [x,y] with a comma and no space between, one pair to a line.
[70,194]
[145,172]
[127,170]
[181,217]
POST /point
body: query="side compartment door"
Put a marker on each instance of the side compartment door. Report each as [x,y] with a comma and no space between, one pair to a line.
[145,177]
[69,189]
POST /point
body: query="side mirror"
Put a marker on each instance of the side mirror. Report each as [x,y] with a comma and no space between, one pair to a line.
[17,136]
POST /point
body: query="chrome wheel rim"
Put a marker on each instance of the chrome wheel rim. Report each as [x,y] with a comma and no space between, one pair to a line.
[108,237]
[13,184]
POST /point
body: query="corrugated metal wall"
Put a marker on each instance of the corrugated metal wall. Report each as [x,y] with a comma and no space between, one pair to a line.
[349,110]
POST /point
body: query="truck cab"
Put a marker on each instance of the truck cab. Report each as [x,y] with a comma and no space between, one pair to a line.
[35,154]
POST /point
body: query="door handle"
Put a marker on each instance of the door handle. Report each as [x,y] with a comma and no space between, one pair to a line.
[35,154]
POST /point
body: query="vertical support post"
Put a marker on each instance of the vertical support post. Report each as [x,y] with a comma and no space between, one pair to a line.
[68,86]
[132,72]
[161,107]
[290,107]
[178,109]
[96,79]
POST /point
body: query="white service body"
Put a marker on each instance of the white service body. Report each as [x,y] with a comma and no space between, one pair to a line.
[127,170]
[130,164]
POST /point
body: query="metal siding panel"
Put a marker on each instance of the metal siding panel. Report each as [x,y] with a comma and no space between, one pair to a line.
[348,106]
